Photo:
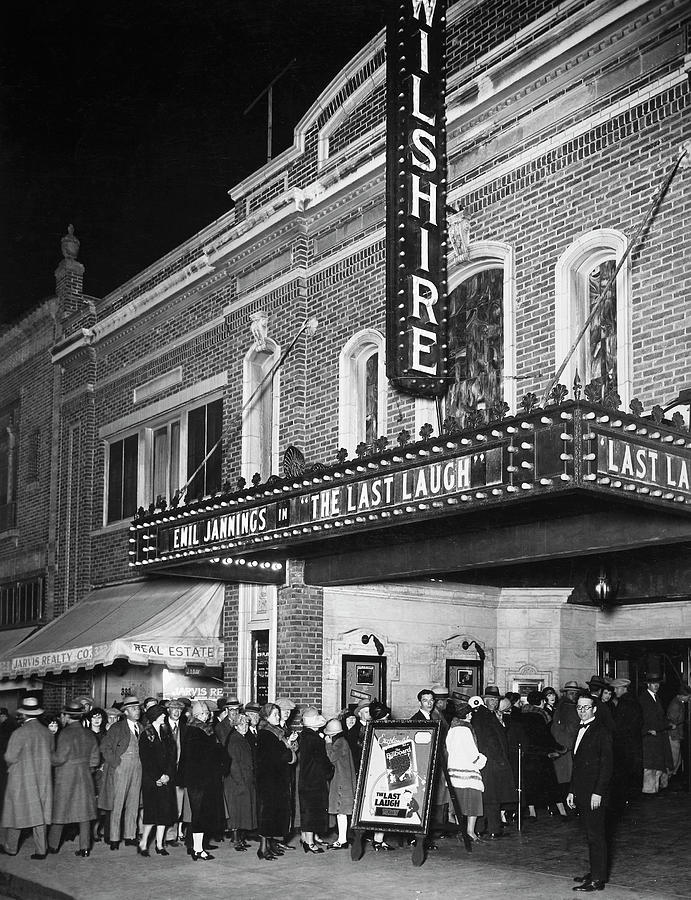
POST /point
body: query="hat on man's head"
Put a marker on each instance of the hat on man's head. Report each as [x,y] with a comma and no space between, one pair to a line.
[30,707]
[312,718]
[650,677]
[154,712]
[73,709]
[231,702]
[597,682]
[378,710]
[620,682]
[333,726]
[175,704]
[571,686]
[253,706]
[492,691]
[285,704]
[129,701]
[363,704]
[84,700]
[112,711]
[439,690]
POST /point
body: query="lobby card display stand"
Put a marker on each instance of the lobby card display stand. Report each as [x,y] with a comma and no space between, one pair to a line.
[395,783]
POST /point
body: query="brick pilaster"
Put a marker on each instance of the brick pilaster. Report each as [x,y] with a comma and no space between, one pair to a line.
[300,638]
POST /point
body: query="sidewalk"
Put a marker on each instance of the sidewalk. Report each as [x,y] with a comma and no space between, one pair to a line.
[651,859]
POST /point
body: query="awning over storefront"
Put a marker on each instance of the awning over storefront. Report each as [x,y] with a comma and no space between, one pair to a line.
[172,621]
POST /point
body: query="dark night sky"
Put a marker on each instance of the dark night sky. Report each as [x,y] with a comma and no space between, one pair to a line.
[126,119]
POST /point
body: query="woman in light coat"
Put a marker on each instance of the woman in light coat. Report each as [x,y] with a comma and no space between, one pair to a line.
[342,787]
[465,766]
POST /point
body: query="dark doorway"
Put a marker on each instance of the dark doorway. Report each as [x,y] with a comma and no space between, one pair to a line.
[363,678]
[260,667]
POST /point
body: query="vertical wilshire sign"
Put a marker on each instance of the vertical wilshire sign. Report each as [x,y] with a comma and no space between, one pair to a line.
[416,308]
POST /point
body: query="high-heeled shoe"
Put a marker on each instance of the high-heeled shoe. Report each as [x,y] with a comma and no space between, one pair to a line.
[265,855]
[476,838]
[311,848]
[337,845]
[161,851]
[141,852]
[202,855]
[381,845]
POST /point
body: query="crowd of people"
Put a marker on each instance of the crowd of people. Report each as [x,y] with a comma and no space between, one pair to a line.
[160,774]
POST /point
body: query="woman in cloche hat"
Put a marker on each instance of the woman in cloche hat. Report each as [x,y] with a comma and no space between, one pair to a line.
[342,787]
[313,780]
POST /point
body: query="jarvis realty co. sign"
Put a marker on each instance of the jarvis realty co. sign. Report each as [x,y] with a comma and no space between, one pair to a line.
[416,315]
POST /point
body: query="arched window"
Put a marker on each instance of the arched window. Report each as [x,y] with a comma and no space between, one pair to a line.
[481,333]
[362,390]
[603,355]
[260,416]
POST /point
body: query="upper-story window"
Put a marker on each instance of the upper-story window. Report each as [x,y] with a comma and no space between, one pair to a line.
[160,457]
[123,469]
[21,602]
[260,398]
[584,295]
[476,343]
[362,390]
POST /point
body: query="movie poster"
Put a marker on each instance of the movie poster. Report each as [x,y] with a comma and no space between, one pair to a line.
[394,785]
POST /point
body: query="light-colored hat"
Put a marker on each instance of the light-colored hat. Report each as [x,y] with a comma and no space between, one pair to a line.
[30,707]
[312,718]
[130,701]
[475,702]
[504,705]
[333,726]
[620,682]
[112,711]
[285,703]
[439,690]
[571,686]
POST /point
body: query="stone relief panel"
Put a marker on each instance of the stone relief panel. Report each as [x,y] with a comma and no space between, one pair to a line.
[350,643]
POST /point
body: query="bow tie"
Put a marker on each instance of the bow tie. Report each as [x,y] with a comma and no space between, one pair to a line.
[585,724]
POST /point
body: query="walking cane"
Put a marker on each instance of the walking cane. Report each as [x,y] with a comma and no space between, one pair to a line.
[519,790]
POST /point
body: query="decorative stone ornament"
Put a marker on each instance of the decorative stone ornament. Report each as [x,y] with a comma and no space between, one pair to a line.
[458,225]
[70,244]
[259,326]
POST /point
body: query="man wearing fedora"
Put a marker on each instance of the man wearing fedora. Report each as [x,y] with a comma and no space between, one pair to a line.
[657,753]
[75,757]
[628,748]
[497,776]
[122,774]
[176,724]
[29,793]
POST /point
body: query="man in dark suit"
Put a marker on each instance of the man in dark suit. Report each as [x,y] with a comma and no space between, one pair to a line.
[592,773]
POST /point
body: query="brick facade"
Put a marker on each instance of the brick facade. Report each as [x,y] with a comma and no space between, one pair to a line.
[562,118]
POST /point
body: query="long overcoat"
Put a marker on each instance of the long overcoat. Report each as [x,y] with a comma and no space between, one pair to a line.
[313,785]
[274,760]
[628,746]
[29,792]
[239,786]
[657,753]
[200,771]
[158,754]
[539,780]
[75,757]
[492,740]
[565,723]
[114,744]
[342,787]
